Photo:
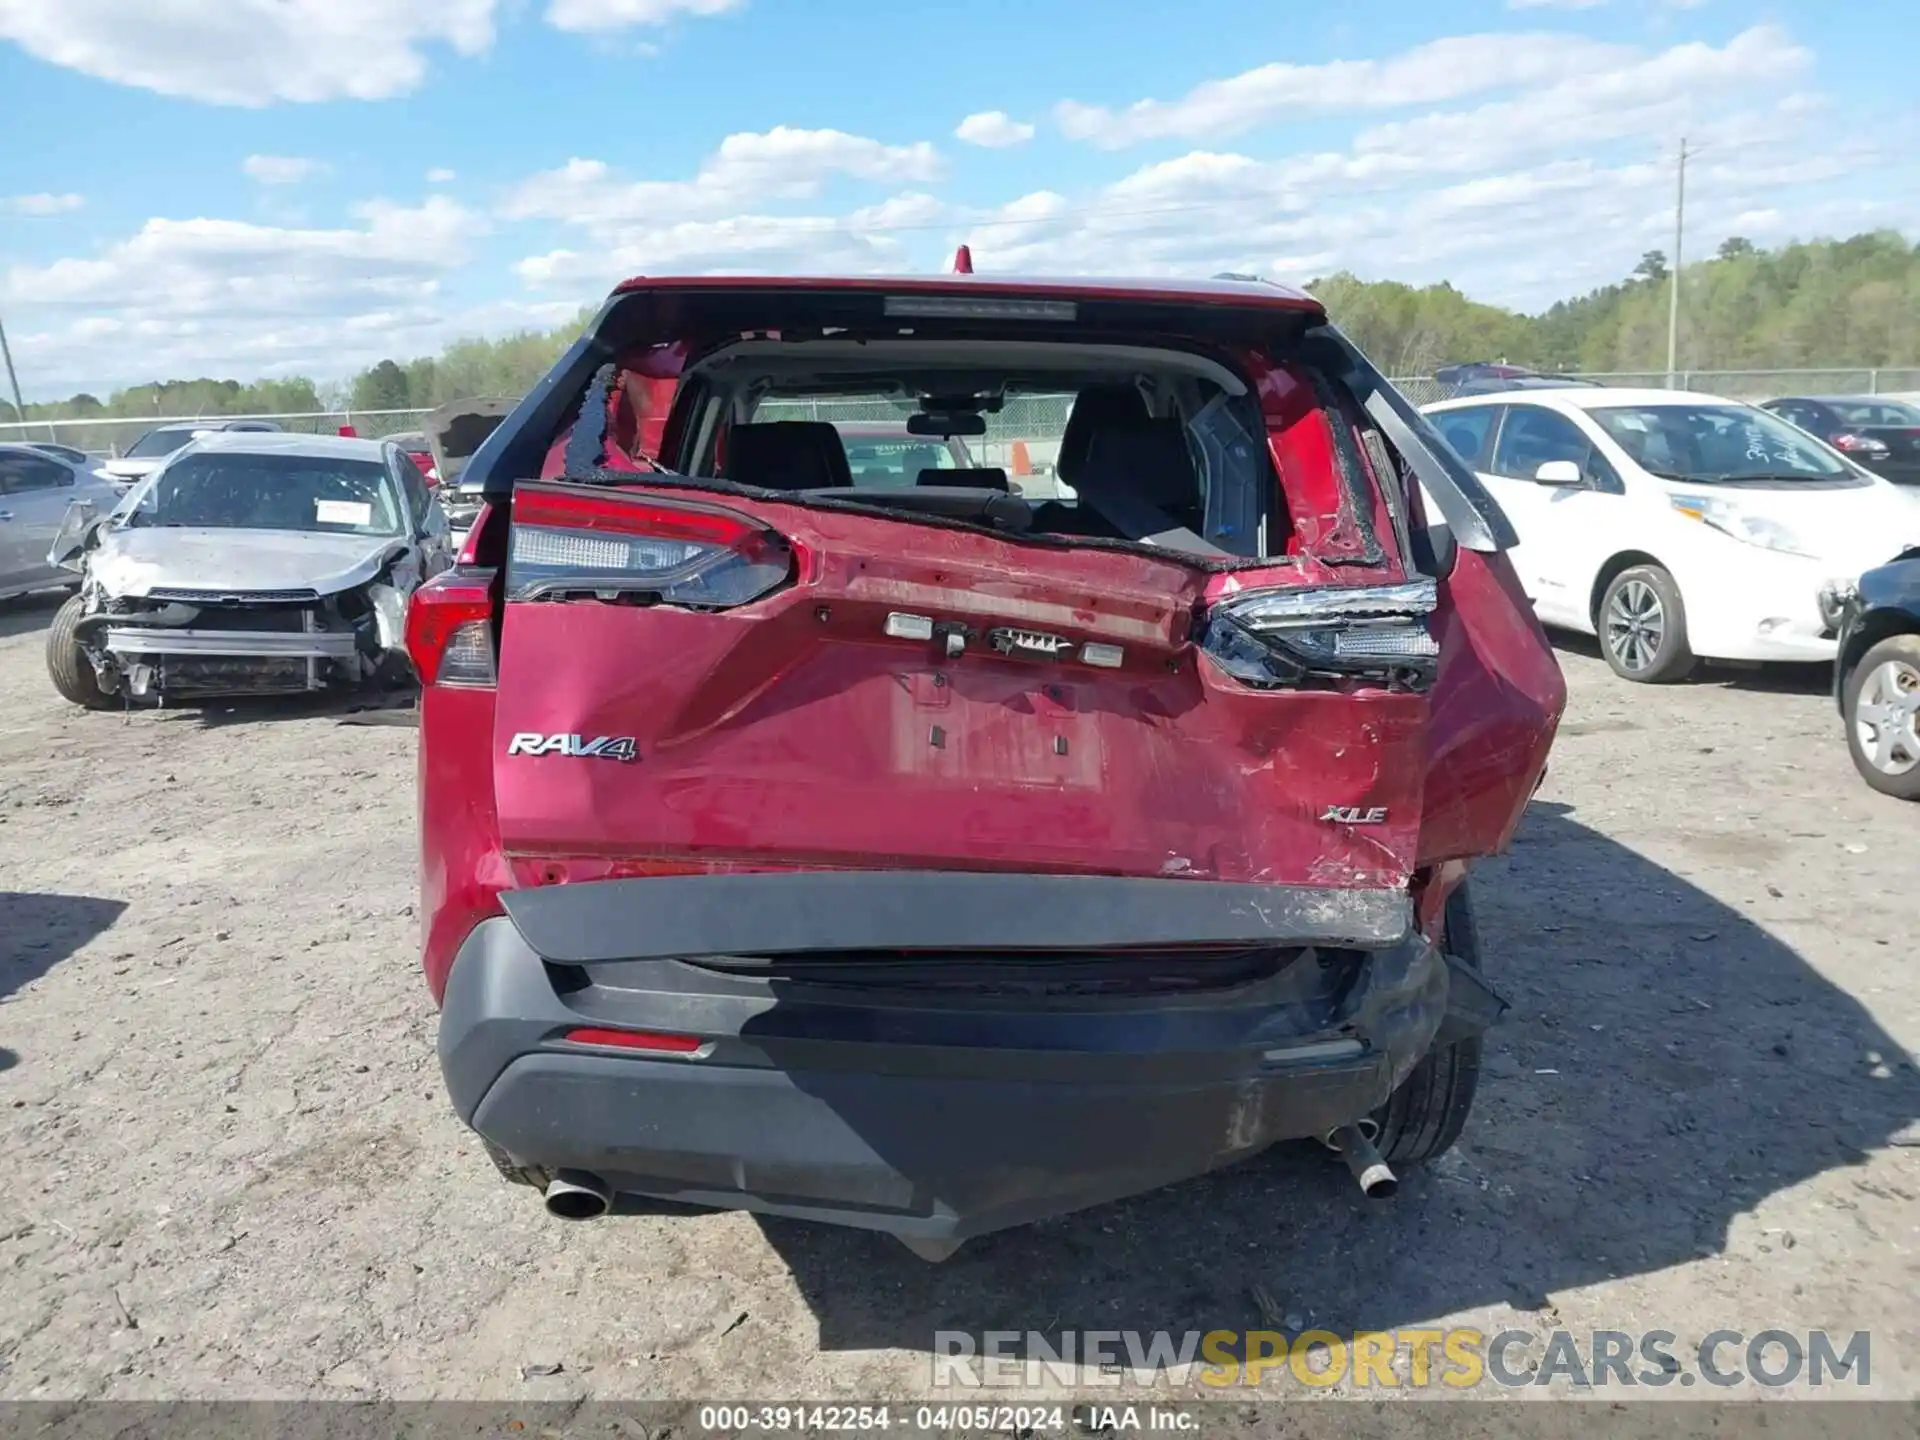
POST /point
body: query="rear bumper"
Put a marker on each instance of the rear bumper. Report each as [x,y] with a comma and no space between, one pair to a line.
[934,1114]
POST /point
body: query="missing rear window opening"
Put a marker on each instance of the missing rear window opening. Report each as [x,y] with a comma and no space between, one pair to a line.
[1114,442]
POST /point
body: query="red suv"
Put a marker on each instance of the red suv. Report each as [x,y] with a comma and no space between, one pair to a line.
[931,858]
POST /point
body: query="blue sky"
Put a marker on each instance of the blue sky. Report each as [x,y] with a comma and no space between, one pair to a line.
[244,187]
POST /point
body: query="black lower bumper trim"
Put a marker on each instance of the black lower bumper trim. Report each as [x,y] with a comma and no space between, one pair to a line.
[925,1116]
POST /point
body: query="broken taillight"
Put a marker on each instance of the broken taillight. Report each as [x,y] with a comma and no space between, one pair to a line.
[567,542]
[1286,637]
[450,635]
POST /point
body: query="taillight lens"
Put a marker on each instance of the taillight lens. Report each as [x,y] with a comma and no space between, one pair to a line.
[450,636]
[1286,637]
[1859,445]
[619,545]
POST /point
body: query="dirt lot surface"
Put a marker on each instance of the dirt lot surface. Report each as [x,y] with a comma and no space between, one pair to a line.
[231,1171]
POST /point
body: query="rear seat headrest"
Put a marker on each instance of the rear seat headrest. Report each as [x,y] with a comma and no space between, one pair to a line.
[788,455]
[1097,408]
[1151,461]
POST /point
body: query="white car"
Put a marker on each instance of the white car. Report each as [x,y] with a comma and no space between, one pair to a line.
[1673,525]
[150,451]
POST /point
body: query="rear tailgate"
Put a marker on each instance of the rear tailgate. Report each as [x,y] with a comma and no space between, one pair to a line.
[793,729]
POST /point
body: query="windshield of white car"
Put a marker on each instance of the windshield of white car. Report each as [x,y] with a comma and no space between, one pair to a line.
[1876,412]
[155,443]
[320,494]
[1720,445]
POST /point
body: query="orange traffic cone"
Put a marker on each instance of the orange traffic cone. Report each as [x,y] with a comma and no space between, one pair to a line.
[1022,462]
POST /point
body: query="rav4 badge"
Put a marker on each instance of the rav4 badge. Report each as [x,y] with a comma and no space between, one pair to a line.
[1354,815]
[578,747]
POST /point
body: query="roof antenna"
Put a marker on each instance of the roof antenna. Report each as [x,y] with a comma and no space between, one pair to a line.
[963,260]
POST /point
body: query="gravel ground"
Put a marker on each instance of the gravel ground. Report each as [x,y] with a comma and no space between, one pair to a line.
[231,1171]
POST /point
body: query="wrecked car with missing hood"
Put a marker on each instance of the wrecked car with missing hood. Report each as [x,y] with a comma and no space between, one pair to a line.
[453,433]
[906,853]
[248,564]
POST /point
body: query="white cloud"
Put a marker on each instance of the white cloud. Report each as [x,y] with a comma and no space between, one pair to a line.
[717,221]
[743,244]
[250,52]
[914,210]
[993,129]
[440,177]
[198,296]
[1655,96]
[1521,200]
[599,15]
[1555,4]
[43,204]
[1440,70]
[279,169]
[747,169]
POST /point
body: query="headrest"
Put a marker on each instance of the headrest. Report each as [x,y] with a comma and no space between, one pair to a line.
[788,455]
[1098,407]
[1150,461]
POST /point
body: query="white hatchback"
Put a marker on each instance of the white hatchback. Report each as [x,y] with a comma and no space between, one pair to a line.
[1674,525]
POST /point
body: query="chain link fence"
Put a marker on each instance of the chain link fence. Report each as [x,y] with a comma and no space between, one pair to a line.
[110,438]
[1035,421]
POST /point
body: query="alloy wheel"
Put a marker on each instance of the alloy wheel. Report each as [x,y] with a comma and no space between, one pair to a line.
[1886,718]
[1636,625]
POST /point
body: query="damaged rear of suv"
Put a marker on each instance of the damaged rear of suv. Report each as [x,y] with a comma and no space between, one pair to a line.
[932,858]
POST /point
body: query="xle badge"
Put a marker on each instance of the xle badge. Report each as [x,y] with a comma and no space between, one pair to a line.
[577,747]
[1354,815]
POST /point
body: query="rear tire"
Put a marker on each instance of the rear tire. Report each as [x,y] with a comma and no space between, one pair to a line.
[1424,1117]
[1885,740]
[1642,626]
[67,663]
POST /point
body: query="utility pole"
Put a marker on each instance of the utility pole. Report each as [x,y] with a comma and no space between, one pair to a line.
[12,379]
[1673,299]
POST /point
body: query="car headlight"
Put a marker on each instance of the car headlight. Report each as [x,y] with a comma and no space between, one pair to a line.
[1730,519]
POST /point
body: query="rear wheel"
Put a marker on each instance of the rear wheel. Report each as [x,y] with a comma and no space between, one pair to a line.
[72,673]
[1883,717]
[1424,1117]
[1643,627]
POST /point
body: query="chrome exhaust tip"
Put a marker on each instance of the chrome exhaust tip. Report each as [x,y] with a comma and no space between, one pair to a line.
[1377,1181]
[578,1195]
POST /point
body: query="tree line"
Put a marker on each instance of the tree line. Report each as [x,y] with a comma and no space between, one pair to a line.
[1851,303]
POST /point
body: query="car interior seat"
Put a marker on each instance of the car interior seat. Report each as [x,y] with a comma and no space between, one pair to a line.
[788,455]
